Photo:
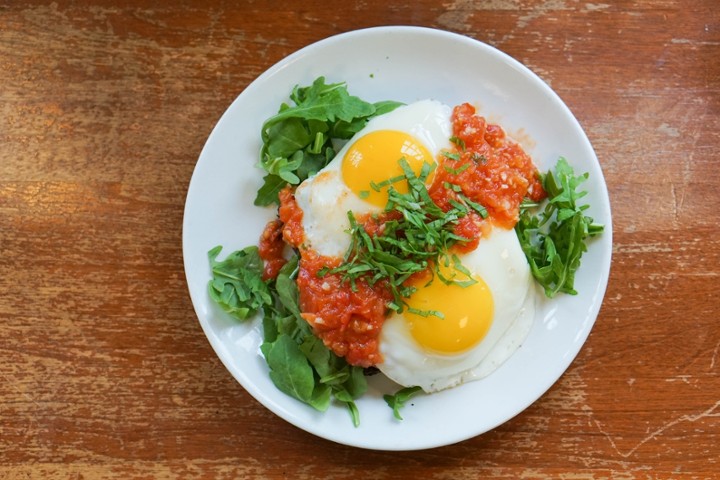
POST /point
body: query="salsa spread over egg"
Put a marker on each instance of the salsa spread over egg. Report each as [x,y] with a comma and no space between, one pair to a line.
[483,168]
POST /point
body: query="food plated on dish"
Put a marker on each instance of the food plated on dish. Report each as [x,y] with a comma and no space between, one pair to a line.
[401,252]
[435,237]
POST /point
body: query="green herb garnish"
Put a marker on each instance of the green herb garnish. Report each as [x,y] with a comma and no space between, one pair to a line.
[420,239]
[555,239]
[457,171]
[459,143]
[298,140]
[451,155]
[479,209]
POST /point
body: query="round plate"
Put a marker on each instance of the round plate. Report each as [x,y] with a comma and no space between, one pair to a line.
[405,64]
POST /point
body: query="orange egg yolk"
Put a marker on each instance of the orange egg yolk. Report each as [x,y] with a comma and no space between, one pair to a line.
[467,313]
[374,158]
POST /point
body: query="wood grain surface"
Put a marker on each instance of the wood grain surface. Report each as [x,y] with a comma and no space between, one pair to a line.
[104,369]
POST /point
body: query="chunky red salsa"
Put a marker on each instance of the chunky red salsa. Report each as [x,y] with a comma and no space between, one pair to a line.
[271,249]
[488,168]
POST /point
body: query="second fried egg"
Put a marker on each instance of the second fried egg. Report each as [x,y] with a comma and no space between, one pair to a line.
[481,325]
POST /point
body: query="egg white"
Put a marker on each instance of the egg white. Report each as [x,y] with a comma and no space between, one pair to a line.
[325,199]
[500,262]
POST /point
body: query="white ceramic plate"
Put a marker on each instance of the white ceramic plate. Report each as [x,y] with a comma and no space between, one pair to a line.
[405,64]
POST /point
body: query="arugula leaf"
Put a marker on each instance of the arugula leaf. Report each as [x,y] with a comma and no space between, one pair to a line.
[289,369]
[322,102]
[286,288]
[555,239]
[237,284]
[300,364]
[356,384]
[285,311]
[270,329]
[320,399]
[292,374]
[342,395]
[287,137]
[319,356]
[298,140]
[344,130]
[400,398]
[386,106]
[346,382]
[268,193]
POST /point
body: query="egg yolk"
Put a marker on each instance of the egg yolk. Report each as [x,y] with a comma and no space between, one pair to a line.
[467,314]
[374,158]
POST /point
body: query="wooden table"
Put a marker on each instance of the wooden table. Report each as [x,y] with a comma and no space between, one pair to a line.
[104,370]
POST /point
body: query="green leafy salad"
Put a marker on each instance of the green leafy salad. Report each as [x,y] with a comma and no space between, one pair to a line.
[298,142]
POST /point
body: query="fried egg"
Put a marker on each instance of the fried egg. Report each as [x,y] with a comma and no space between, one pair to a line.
[483,323]
[418,132]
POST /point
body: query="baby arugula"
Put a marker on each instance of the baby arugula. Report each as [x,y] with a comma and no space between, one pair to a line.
[554,239]
[237,284]
[398,400]
[300,364]
[298,140]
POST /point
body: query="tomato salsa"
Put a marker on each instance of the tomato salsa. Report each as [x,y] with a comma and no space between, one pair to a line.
[484,167]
